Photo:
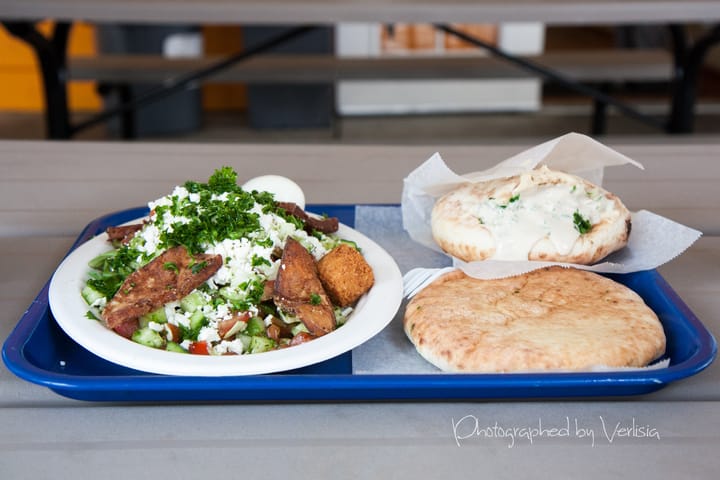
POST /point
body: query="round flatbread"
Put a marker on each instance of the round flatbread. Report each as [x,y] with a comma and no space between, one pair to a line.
[552,319]
[540,215]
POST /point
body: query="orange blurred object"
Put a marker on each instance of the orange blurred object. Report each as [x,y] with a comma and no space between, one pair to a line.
[223,40]
[20,78]
[407,38]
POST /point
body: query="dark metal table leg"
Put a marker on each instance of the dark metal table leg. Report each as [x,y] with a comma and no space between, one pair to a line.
[51,54]
[688,62]
[127,118]
[599,118]
[191,79]
[598,96]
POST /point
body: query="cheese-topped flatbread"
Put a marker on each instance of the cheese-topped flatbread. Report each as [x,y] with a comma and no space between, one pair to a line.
[552,319]
[540,215]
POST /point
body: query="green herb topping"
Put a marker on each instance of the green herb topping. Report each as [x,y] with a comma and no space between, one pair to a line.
[171,266]
[513,199]
[582,224]
[247,229]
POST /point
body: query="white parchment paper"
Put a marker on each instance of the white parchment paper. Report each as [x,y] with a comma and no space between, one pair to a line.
[390,351]
[654,240]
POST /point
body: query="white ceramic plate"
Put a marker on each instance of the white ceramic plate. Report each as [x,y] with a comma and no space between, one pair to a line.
[372,313]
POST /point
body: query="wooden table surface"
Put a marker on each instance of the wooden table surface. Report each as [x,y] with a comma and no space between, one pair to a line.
[49,191]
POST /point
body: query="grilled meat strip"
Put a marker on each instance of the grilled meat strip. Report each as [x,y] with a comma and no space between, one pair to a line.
[298,290]
[325,225]
[123,234]
[170,276]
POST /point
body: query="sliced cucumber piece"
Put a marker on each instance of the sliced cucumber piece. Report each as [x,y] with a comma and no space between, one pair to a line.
[192,302]
[174,347]
[157,316]
[261,344]
[98,261]
[90,295]
[255,326]
[299,327]
[197,321]
[148,337]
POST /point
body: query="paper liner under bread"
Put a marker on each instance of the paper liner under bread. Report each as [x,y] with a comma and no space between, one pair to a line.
[654,240]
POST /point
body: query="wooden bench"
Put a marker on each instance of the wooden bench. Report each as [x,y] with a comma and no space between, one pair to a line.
[603,67]
[591,66]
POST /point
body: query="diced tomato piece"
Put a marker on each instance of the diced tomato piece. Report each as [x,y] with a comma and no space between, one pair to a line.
[174,332]
[199,348]
[224,326]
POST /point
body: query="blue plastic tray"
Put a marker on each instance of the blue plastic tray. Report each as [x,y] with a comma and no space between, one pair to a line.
[40,352]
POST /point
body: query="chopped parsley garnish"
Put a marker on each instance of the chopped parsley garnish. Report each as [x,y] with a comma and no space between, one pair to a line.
[258,260]
[582,224]
[198,267]
[247,228]
[111,269]
[265,243]
[171,266]
[223,180]
[513,199]
[209,220]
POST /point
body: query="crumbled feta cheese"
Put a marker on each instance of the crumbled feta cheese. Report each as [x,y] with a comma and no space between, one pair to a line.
[235,346]
[208,334]
[176,318]
[223,197]
[169,220]
[180,192]
[150,235]
[160,202]
[156,327]
[226,346]
[216,314]
[99,303]
[248,261]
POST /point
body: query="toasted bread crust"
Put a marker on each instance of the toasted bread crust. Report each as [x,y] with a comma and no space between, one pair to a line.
[548,319]
[458,230]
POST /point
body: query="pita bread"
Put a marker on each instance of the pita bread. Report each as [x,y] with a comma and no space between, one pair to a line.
[552,319]
[540,215]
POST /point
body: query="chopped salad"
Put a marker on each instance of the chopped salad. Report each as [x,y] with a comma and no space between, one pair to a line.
[232,311]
